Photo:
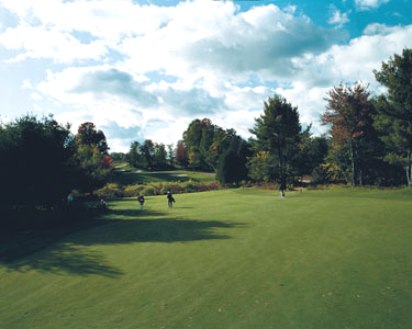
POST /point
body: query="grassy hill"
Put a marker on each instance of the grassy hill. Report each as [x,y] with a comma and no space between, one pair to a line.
[224,259]
[126,175]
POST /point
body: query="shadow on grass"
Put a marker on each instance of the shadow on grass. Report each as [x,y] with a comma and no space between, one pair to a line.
[70,253]
[66,260]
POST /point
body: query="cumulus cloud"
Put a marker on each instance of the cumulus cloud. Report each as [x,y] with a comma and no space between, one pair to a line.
[117,83]
[338,18]
[369,4]
[146,70]
[49,43]
[348,63]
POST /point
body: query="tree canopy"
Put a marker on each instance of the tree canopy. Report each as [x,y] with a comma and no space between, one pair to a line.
[37,161]
[349,114]
[395,110]
[276,144]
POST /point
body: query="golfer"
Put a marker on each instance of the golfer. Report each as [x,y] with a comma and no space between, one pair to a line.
[170,199]
[140,199]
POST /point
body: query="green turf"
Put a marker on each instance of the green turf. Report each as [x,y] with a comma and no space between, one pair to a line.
[225,259]
[136,176]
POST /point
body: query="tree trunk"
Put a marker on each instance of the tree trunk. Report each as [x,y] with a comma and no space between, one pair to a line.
[360,178]
[352,156]
[408,170]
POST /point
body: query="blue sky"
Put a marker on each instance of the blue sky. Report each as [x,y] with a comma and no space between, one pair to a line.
[146,69]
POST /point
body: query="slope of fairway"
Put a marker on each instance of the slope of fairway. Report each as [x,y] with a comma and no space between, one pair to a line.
[226,259]
[126,175]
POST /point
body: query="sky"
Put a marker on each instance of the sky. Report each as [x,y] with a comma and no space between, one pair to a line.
[145,69]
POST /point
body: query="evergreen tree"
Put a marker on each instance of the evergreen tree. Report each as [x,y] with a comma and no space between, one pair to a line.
[395,110]
[134,157]
[277,133]
[231,166]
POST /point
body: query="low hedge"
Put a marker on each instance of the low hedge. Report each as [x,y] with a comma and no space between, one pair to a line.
[114,190]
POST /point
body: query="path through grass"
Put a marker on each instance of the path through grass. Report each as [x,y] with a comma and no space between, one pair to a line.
[225,259]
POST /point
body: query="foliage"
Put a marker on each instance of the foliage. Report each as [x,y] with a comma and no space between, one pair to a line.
[37,161]
[231,166]
[181,159]
[260,167]
[277,133]
[92,157]
[149,156]
[204,143]
[114,190]
[87,134]
[110,191]
[349,113]
[311,154]
[394,119]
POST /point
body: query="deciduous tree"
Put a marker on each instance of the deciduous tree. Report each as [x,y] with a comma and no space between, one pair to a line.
[37,162]
[349,114]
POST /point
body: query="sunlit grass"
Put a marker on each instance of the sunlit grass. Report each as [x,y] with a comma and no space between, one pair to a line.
[127,175]
[225,259]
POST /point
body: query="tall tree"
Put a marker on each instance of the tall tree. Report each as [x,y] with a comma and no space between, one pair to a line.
[87,134]
[148,154]
[192,138]
[160,157]
[134,157]
[92,156]
[312,152]
[395,114]
[37,162]
[181,157]
[349,113]
[277,133]
[232,163]
[202,142]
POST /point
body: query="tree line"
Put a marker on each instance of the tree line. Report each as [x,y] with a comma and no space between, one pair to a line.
[369,139]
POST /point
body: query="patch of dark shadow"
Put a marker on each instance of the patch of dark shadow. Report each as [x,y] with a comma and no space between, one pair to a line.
[133,213]
[67,260]
[155,230]
[65,252]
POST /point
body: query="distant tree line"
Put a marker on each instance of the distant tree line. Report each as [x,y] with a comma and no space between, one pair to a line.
[150,155]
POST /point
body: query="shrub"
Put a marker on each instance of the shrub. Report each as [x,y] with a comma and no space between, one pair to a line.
[133,190]
[110,191]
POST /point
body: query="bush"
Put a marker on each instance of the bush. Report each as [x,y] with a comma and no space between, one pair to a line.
[113,190]
[110,191]
[133,190]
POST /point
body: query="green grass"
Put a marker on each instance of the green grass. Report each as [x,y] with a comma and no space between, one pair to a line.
[224,259]
[126,175]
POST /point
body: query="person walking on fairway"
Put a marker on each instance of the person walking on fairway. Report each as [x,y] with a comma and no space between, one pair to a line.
[140,199]
[170,199]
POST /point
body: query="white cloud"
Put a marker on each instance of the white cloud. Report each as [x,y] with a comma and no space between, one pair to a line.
[40,42]
[146,71]
[338,19]
[369,4]
[357,59]
[342,64]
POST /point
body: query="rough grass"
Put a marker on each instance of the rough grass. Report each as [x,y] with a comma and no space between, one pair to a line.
[224,259]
